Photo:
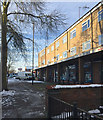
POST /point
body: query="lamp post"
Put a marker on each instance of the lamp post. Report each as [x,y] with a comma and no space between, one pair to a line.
[33,56]
[0,50]
[85,7]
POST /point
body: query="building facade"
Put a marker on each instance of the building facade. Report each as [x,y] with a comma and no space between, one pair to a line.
[76,56]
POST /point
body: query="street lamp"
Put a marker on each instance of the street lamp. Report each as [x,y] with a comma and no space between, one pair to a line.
[32,52]
[33,56]
[85,7]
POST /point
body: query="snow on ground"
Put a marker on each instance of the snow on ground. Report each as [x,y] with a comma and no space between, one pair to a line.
[96,111]
[30,81]
[6,93]
[77,86]
[11,80]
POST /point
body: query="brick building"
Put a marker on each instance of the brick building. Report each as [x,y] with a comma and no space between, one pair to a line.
[76,56]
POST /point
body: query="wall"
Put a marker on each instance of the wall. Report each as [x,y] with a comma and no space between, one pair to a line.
[91,33]
[86,98]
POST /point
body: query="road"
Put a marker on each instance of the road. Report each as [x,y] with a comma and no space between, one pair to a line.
[24,100]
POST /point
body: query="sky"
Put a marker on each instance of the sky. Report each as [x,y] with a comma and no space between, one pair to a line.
[71,10]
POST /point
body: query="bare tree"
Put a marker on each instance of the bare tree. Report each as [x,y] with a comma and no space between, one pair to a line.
[11,26]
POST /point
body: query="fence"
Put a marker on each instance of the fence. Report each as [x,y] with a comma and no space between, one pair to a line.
[58,109]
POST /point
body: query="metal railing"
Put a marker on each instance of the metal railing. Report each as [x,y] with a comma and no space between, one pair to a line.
[60,110]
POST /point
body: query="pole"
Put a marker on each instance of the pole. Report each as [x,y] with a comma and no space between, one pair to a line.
[33,56]
[0,51]
[79,12]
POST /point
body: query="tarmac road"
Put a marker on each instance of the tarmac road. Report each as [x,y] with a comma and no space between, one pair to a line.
[24,100]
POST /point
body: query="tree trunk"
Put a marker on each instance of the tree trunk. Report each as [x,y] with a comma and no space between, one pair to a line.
[4,49]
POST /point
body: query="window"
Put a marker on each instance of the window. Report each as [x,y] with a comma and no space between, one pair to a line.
[86,25]
[52,59]
[86,45]
[72,33]
[52,48]
[57,44]
[43,52]
[64,39]
[48,62]
[100,39]
[43,61]
[47,51]
[57,57]
[65,54]
[73,51]
[100,15]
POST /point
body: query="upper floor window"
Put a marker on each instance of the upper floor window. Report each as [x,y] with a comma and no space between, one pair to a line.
[57,57]
[48,62]
[47,51]
[100,39]
[43,52]
[52,48]
[86,25]
[86,45]
[73,51]
[100,15]
[72,33]
[43,61]
[65,54]
[64,39]
[57,44]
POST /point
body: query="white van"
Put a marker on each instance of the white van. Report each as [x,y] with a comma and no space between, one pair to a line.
[24,76]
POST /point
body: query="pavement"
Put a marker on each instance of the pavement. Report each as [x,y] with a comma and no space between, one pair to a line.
[24,100]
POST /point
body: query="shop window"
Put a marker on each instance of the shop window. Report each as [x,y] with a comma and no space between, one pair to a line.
[65,54]
[57,44]
[87,72]
[64,39]
[73,34]
[86,45]
[52,48]
[73,51]
[72,74]
[100,39]
[86,25]
[100,15]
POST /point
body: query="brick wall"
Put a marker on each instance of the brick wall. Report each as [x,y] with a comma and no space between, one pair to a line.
[86,98]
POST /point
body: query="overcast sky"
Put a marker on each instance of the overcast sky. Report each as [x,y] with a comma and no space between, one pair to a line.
[71,9]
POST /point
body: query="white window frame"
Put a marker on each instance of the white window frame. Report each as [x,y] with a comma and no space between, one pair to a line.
[44,62]
[73,51]
[86,23]
[72,33]
[57,57]
[100,39]
[52,48]
[85,45]
[65,39]
[48,62]
[65,54]
[57,44]
[47,51]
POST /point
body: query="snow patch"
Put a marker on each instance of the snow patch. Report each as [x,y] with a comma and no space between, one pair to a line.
[77,86]
[34,81]
[11,80]
[6,93]
[96,111]
[101,107]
